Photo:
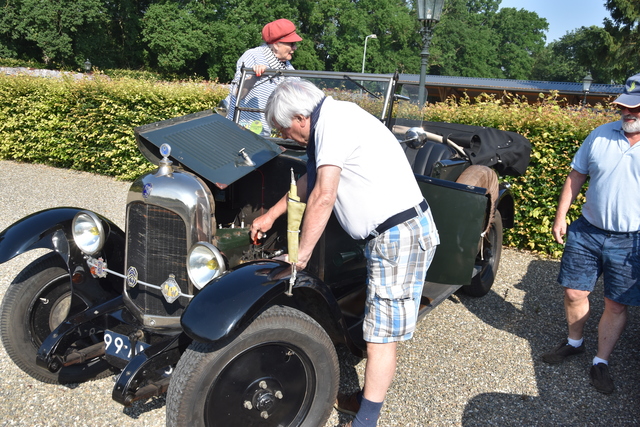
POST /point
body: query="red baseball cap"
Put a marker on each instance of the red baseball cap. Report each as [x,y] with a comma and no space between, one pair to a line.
[280,30]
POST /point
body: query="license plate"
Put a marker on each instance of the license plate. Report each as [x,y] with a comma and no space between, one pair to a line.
[119,345]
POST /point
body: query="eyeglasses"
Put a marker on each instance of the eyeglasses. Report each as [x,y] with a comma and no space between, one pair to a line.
[634,110]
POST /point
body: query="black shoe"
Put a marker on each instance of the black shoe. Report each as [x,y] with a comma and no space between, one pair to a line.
[347,403]
[561,352]
[601,379]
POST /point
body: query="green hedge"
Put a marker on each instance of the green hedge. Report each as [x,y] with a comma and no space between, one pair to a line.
[88,125]
[555,133]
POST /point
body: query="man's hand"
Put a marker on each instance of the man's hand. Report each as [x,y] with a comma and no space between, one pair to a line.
[559,229]
[570,191]
[260,226]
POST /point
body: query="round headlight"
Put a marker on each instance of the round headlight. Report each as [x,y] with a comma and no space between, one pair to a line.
[88,232]
[204,263]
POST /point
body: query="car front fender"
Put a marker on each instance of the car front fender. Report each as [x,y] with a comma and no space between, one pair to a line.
[38,230]
[234,299]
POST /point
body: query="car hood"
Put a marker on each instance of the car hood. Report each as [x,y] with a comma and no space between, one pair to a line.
[207,144]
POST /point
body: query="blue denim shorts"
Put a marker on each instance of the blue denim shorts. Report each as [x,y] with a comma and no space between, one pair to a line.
[590,252]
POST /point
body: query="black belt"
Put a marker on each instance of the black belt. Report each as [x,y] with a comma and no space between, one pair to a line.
[396,219]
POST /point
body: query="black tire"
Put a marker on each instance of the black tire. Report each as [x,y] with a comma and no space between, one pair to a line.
[283,365]
[488,260]
[36,302]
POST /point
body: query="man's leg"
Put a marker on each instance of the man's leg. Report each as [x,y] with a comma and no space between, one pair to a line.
[612,323]
[378,374]
[580,267]
[380,369]
[576,307]
[611,326]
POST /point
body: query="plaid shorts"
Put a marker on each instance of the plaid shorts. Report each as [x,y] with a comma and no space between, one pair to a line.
[397,263]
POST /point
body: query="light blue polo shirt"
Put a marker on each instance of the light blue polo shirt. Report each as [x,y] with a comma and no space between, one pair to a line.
[613,166]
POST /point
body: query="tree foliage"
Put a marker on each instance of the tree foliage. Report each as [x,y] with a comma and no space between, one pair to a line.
[56,31]
[475,39]
[610,53]
[624,44]
[520,38]
[205,38]
[161,24]
[574,55]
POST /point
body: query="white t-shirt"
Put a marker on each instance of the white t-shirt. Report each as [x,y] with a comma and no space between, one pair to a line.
[613,166]
[376,181]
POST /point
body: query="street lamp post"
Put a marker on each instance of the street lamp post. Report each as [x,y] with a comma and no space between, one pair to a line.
[429,13]
[87,66]
[586,85]
[364,54]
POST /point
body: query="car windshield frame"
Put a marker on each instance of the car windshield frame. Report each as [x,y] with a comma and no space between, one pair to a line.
[373,92]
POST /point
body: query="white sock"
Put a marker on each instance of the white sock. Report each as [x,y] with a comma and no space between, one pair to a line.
[575,343]
[597,360]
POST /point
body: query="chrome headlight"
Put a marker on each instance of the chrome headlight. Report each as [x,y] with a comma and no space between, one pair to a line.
[204,263]
[88,232]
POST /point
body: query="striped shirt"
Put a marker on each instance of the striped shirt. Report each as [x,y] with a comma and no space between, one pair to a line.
[259,94]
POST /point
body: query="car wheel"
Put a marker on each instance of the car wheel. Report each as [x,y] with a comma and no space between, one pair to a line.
[37,301]
[488,260]
[282,370]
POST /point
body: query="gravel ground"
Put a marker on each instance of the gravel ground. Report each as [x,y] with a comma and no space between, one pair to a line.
[471,362]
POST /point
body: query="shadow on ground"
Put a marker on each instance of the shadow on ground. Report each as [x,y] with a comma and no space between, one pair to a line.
[565,396]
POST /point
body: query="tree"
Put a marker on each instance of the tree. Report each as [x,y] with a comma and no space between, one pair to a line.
[575,54]
[475,39]
[125,49]
[624,42]
[520,37]
[464,43]
[64,31]
[341,27]
[176,36]
[207,37]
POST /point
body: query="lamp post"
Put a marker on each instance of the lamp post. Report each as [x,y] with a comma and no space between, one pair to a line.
[429,13]
[586,85]
[364,54]
[87,66]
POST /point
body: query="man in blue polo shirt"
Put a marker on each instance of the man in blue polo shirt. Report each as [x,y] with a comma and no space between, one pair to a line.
[605,240]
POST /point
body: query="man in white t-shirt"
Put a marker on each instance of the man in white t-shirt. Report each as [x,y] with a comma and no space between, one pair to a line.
[357,170]
[605,240]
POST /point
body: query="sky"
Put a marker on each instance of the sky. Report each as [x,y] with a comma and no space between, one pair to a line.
[563,15]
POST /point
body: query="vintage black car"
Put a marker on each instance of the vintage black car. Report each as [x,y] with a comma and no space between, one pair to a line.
[182,300]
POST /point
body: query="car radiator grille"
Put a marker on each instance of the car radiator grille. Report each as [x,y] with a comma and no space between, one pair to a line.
[157,248]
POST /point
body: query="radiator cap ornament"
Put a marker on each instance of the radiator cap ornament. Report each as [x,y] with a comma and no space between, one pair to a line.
[165,168]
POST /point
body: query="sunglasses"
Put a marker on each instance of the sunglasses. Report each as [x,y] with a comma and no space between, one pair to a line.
[633,110]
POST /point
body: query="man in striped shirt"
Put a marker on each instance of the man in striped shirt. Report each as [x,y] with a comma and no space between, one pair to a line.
[281,40]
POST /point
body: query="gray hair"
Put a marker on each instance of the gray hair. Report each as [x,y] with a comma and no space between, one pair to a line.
[292,97]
